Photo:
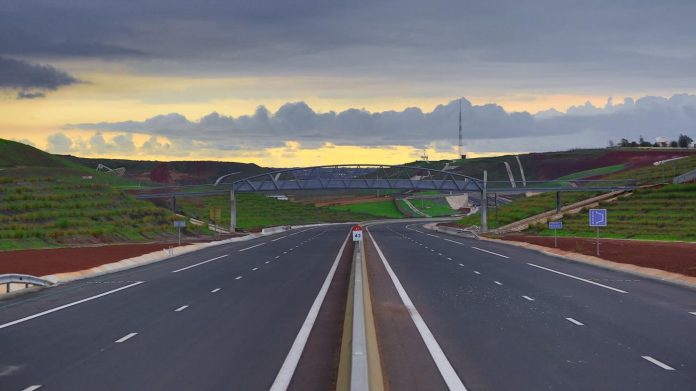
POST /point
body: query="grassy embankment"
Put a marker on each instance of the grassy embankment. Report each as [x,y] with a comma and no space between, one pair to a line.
[667,213]
[373,209]
[523,208]
[46,202]
[255,211]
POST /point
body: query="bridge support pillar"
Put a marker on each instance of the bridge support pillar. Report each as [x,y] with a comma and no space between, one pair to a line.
[558,202]
[484,204]
[233,211]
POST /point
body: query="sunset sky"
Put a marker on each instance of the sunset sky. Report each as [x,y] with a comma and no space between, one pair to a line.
[285,83]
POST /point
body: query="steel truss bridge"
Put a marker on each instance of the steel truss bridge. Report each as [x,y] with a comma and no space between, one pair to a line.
[382,177]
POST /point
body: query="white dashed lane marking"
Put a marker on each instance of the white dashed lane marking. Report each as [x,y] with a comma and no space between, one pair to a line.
[126,338]
[215,290]
[528,298]
[183,307]
[659,363]
[575,322]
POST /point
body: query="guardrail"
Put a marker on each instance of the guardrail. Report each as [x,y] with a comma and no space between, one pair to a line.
[686,177]
[9,279]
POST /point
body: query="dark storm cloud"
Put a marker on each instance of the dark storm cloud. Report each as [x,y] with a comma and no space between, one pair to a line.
[17,74]
[508,43]
[648,116]
[30,95]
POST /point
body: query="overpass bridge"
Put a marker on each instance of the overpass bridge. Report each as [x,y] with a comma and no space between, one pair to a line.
[383,177]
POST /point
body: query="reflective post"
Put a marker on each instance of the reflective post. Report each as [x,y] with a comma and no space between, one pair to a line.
[233,211]
[484,204]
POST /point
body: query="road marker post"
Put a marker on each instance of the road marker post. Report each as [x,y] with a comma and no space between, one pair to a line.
[179,224]
[357,232]
[598,218]
[555,226]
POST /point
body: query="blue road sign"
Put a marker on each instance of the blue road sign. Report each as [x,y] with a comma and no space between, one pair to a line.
[555,225]
[598,217]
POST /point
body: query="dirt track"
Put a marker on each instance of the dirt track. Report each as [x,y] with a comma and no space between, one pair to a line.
[669,256]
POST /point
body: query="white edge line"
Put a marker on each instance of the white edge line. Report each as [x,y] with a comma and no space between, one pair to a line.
[32,388]
[490,252]
[198,264]
[571,320]
[250,247]
[443,365]
[659,363]
[2,326]
[282,380]
[577,278]
[125,338]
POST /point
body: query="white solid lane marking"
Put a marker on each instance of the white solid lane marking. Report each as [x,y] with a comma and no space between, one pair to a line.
[183,307]
[238,277]
[659,363]
[490,252]
[528,298]
[32,388]
[199,263]
[577,278]
[215,290]
[571,320]
[282,380]
[14,322]
[254,269]
[282,237]
[125,338]
[249,248]
[443,365]
[476,271]
[498,282]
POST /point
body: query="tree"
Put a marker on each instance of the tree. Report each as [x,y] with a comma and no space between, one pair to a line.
[684,141]
[611,144]
[624,143]
[643,143]
[674,144]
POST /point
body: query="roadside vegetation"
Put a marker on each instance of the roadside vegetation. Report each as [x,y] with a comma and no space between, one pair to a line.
[523,208]
[256,211]
[667,213]
[662,173]
[61,209]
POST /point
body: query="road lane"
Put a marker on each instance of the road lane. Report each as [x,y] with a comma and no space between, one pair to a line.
[234,339]
[497,338]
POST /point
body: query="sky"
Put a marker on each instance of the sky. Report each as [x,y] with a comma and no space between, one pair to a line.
[284,83]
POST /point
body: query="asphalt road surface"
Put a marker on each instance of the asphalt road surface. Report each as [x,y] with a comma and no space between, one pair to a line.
[489,316]
[226,317]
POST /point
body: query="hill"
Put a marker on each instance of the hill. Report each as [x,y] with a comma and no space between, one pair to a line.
[14,154]
[173,173]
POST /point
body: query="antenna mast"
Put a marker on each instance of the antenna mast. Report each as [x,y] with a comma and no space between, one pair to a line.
[460,128]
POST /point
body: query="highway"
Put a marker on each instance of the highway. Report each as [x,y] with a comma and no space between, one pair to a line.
[479,315]
[235,316]
[267,313]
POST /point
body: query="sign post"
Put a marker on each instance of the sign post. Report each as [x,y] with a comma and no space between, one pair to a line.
[555,226]
[357,233]
[598,218]
[180,224]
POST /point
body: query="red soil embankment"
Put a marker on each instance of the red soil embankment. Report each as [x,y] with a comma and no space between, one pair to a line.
[676,257]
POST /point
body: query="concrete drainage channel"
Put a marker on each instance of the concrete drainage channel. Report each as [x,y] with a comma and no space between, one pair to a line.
[360,367]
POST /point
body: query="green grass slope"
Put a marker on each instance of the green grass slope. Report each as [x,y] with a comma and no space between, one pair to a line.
[256,211]
[667,213]
[374,209]
[522,208]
